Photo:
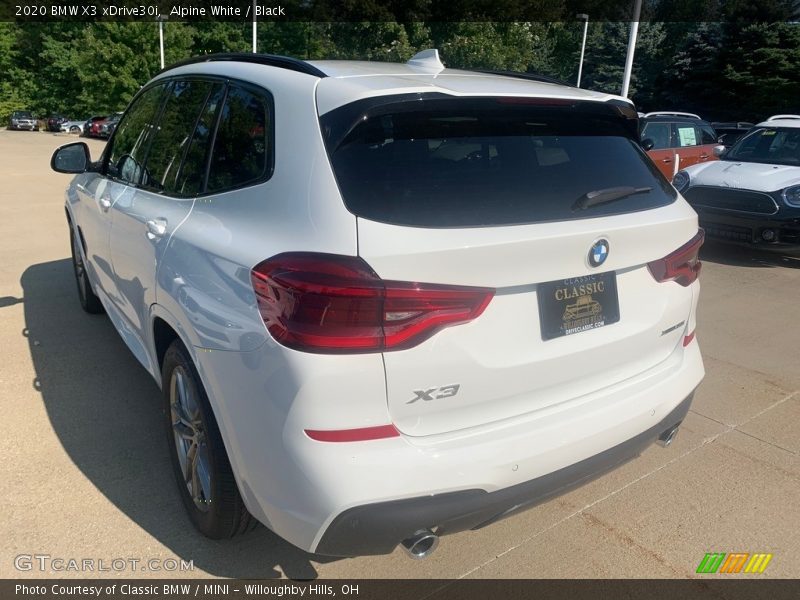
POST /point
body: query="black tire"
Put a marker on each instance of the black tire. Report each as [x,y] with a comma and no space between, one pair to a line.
[89,301]
[223,514]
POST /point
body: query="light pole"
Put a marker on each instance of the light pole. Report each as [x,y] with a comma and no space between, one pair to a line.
[585,18]
[255,41]
[161,19]
[626,78]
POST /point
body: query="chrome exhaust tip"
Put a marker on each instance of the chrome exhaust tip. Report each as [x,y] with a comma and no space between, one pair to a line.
[665,439]
[421,544]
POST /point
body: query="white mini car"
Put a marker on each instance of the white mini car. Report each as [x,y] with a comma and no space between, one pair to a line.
[752,194]
[352,282]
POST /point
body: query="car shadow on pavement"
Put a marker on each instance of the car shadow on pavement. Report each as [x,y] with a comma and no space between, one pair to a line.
[106,411]
[744,256]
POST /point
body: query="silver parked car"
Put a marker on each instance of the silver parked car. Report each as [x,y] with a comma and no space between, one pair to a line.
[74,127]
[23,119]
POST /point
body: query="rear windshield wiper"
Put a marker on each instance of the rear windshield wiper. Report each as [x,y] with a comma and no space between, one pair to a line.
[596,197]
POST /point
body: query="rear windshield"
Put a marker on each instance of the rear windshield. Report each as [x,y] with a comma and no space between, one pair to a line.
[484,162]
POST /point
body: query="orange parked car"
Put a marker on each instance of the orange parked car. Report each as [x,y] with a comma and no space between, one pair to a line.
[676,140]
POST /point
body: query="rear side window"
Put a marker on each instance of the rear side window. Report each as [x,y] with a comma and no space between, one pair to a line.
[193,171]
[472,163]
[659,133]
[686,135]
[133,132]
[242,151]
[708,135]
[184,103]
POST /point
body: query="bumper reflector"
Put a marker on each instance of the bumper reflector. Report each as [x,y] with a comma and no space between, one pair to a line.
[688,339]
[353,435]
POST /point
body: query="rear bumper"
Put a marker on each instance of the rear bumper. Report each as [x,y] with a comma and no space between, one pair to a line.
[377,528]
[357,498]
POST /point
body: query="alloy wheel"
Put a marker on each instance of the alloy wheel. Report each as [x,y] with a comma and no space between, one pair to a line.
[190,439]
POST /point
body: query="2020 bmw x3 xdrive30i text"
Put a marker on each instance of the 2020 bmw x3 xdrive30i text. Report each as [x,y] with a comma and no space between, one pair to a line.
[387,302]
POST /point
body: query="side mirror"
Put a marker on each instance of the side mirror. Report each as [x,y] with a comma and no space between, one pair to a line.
[71,158]
[718,150]
[648,144]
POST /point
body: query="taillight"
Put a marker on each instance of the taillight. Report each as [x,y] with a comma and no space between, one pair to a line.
[683,265]
[338,304]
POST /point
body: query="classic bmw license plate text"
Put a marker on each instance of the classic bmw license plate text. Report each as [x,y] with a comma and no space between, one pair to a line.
[578,304]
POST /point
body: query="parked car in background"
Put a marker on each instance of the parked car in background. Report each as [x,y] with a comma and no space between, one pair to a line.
[729,133]
[23,119]
[675,140]
[73,126]
[92,126]
[55,121]
[500,306]
[752,194]
[109,125]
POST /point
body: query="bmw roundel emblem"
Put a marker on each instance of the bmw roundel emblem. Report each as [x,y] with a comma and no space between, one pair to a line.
[598,253]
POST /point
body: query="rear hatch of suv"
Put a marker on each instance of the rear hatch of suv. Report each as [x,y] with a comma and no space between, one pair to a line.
[549,203]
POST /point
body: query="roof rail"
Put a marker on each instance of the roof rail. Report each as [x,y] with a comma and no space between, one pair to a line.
[270,60]
[780,117]
[528,76]
[672,113]
[732,124]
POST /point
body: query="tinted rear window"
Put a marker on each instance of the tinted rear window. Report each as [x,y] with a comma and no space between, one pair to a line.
[472,163]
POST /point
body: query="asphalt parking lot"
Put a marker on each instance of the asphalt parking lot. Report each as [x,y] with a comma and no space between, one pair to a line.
[85,470]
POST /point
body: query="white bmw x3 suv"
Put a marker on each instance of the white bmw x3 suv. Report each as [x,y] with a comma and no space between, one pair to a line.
[387,302]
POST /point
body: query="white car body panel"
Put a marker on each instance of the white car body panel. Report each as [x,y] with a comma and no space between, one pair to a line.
[319,481]
[759,177]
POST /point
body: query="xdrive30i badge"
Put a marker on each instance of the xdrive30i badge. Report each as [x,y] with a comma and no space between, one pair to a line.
[598,253]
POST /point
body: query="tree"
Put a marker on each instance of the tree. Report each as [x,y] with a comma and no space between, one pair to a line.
[16,86]
[113,60]
[220,36]
[692,80]
[606,49]
[760,62]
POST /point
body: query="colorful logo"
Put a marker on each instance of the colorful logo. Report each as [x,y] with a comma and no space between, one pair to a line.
[598,253]
[735,562]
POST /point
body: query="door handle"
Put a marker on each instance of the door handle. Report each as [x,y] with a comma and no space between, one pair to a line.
[704,156]
[105,204]
[666,160]
[156,228]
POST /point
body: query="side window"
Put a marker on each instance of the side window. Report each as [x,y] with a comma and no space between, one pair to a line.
[686,135]
[708,135]
[132,135]
[659,133]
[190,179]
[185,100]
[242,148]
